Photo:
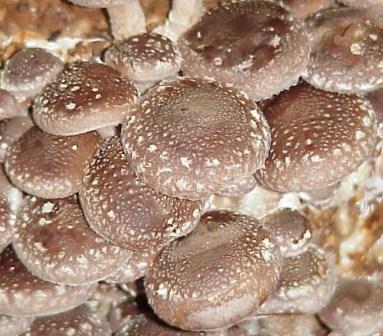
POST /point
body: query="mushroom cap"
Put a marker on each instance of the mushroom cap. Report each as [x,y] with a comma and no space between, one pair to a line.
[123,210]
[81,321]
[9,107]
[306,284]
[10,131]
[54,241]
[317,138]
[85,96]
[13,326]
[23,294]
[50,166]
[6,220]
[145,57]
[99,3]
[219,274]
[28,71]
[141,325]
[191,137]
[376,100]
[347,51]
[356,308]
[290,229]
[254,45]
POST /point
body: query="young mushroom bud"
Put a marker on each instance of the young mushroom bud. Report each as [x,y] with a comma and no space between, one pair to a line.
[123,210]
[254,45]
[126,16]
[219,274]
[145,58]
[356,308]
[85,97]
[54,241]
[347,51]
[306,284]
[50,166]
[28,71]
[23,294]
[317,138]
[290,229]
[191,137]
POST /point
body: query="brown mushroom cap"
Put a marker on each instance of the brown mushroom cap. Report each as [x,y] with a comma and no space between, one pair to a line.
[145,57]
[255,45]
[54,241]
[50,166]
[290,229]
[10,131]
[317,138]
[306,284]
[13,326]
[85,96]
[28,71]
[23,294]
[9,107]
[356,308]
[219,274]
[81,321]
[123,210]
[347,51]
[191,137]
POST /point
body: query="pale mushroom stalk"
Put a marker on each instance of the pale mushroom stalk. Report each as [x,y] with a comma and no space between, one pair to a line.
[182,16]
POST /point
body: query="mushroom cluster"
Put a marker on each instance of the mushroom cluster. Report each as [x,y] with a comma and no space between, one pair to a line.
[184,178]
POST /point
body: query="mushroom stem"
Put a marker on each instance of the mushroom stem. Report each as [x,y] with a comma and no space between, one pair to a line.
[127,20]
[182,16]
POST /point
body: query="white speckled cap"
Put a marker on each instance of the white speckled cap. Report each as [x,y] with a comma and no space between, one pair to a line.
[255,45]
[23,294]
[347,51]
[219,274]
[10,325]
[50,166]
[85,96]
[123,210]
[28,71]
[317,138]
[191,137]
[54,241]
[81,321]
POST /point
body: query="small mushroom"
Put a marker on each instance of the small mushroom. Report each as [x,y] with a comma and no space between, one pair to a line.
[356,308]
[191,137]
[50,166]
[123,210]
[290,229]
[23,294]
[145,58]
[347,51]
[54,241]
[317,138]
[306,284]
[254,45]
[9,107]
[85,97]
[126,16]
[81,321]
[219,274]
[28,71]
[13,326]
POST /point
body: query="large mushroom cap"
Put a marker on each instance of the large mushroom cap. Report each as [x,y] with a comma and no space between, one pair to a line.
[81,321]
[347,51]
[356,308]
[50,166]
[145,57]
[23,294]
[216,276]
[28,71]
[255,45]
[53,239]
[317,138]
[85,96]
[123,210]
[190,137]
